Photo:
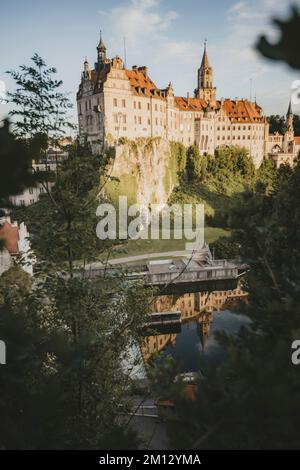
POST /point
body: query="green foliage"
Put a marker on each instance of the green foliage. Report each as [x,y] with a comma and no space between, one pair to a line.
[15,164]
[178,154]
[40,108]
[64,385]
[225,248]
[266,174]
[62,224]
[286,48]
[278,124]
[248,401]
[68,337]
[193,164]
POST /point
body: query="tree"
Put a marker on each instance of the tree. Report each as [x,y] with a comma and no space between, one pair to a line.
[69,336]
[194,163]
[15,164]
[278,124]
[40,108]
[249,401]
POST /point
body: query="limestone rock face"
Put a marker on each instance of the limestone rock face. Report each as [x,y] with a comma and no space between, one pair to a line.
[146,171]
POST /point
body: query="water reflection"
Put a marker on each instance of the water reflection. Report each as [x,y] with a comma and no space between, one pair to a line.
[202,314]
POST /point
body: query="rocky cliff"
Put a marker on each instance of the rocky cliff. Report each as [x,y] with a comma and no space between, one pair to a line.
[146,169]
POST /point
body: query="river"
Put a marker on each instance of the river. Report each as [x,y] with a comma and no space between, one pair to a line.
[202,314]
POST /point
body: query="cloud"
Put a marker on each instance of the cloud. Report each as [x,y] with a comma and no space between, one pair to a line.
[149,27]
[140,18]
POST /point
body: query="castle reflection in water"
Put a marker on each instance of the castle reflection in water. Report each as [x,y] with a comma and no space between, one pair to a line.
[196,307]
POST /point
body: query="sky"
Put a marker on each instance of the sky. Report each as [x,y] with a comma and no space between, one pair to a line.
[165,35]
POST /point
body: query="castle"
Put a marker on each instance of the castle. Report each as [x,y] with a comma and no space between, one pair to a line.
[115,102]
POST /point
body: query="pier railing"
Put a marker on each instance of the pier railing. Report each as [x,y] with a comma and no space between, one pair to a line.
[204,274]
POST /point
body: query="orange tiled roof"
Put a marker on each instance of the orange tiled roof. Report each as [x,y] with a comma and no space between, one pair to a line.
[242,110]
[10,235]
[297,140]
[190,104]
[142,84]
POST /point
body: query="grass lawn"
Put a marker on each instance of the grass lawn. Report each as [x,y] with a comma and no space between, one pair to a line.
[138,247]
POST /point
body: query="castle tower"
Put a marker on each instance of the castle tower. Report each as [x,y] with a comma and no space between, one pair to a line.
[290,119]
[288,140]
[86,70]
[205,90]
[101,49]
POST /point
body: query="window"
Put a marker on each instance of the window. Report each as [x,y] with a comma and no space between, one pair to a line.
[148,106]
[22,202]
[155,107]
[123,103]
[140,105]
[90,104]
[115,102]
[140,120]
[30,190]
[124,118]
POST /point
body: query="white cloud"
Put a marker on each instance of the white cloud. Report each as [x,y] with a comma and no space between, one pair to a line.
[148,26]
[240,62]
[139,18]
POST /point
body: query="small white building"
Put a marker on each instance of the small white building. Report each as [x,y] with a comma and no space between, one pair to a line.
[31,195]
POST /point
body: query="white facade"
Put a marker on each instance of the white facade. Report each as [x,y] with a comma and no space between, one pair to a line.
[115,102]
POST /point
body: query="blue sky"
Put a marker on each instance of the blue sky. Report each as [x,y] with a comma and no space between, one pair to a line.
[166,35]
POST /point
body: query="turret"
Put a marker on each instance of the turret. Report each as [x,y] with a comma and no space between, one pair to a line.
[101,49]
[205,89]
[288,139]
[86,70]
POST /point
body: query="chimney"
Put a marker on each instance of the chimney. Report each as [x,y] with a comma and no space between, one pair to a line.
[144,70]
[188,98]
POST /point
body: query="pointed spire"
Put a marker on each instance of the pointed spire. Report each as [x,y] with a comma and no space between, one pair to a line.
[290,111]
[205,61]
[101,46]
